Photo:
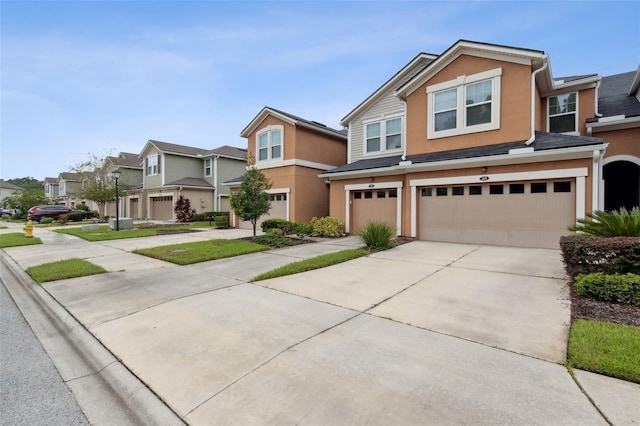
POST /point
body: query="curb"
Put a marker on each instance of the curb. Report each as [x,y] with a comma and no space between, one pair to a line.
[106,391]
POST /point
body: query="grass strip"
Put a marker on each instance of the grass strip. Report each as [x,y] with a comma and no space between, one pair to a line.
[202,251]
[313,263]
[15,239]
[605,348]
[103,233]
[69,268]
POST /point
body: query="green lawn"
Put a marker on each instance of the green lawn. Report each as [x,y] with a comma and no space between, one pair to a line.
[103,233]
[70,268]
[606,348]
[202,251]
[313,263]
[15,239]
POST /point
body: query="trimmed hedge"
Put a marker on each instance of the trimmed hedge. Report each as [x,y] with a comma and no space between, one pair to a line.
[78,216]
[276,223]
[584,254]
[203,217]
[610,288]
[327,226]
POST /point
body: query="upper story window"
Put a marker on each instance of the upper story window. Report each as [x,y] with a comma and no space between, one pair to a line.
[563,113]
[207,167]
[47,189]
[385,135]
[465,105]
[269,143]
[61,187]
[153,165]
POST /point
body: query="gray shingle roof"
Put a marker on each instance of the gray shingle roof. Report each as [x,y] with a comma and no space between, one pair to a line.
[613,98]
[178,149]
[229,151]
[70,176]
[8,185]
[309,122]
[127,159]
[543,141]
[192,182]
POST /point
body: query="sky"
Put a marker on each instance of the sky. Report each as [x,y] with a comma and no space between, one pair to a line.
[95,78]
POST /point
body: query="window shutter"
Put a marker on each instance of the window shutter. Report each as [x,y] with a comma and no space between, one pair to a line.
[159,157]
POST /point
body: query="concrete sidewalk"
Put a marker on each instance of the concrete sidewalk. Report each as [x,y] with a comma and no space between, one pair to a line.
[423,333]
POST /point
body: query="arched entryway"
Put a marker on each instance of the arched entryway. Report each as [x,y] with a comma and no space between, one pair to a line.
[621,185]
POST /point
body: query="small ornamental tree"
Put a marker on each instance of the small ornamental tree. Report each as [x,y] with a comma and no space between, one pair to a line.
[252,201]
[183,210]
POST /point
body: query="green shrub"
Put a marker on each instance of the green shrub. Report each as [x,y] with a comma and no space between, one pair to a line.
[585,254]
[204,216]
[618,223]
[46,220]
[222,221]
[378,235]
[274,238]
[327,226]
[276,223]
[83,207]
[302,229]
[610,288]
[79,216]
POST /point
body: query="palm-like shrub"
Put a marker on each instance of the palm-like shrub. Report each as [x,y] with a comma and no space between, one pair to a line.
[378,235]
[618,223]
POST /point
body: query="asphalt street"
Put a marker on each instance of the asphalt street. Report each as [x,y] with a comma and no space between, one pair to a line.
[31,389]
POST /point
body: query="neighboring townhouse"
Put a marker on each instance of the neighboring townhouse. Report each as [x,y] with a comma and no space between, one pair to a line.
[7,189]
[69,188]
[51,189]
[617,121]
[481,144]
[171,170]
[130,167]
[292,152]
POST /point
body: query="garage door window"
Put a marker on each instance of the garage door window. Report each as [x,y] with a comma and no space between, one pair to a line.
[564,186]
[496,189]
[393,193]
[357,195]
[538,187]
[475,190]
[457,190]
[368,194]
[381,194]
[426,192]
[516,188]
[441,192]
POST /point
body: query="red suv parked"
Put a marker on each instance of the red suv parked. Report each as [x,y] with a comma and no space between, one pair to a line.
[38,212]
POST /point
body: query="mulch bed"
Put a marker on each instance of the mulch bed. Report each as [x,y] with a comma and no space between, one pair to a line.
[587,308]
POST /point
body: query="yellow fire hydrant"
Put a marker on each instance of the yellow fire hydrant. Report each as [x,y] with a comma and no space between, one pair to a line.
[28,230]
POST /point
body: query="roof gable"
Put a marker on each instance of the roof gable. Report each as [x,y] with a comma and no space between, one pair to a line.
[291,119]
[172,148]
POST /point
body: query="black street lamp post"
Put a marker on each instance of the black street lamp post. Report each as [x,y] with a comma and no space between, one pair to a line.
[116,175]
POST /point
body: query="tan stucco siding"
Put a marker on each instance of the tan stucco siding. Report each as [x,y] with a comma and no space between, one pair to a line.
[318,148]
[310,197]
[621,142]
[288,139]
[201,200]
[515,107]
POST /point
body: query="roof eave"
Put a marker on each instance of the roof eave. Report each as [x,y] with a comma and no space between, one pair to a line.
[615,124]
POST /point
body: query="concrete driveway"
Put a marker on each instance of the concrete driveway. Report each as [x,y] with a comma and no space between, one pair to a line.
[424,333]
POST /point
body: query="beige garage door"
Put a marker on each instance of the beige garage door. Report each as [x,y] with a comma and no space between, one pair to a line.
[278,210]
[529,214]
[373,206]
[162,208]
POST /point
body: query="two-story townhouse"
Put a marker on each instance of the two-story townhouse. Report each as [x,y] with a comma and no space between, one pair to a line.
[69,188]
[51,189]
[291,151]
[617,121]
[130,167]
[490,149]
[171,170]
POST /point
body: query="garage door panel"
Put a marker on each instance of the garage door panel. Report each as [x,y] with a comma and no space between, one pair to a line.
[278,211]
[377,208]
[529,219]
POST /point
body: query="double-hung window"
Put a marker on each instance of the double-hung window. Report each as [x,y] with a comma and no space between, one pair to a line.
[269,143]
[207,167]
[385,135]
[563,113]
[465,105]
[153,165]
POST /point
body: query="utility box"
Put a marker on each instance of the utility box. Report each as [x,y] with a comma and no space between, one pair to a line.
[125,223]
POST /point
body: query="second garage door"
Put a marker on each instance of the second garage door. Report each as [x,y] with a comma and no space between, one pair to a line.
[278,210]
[521,214]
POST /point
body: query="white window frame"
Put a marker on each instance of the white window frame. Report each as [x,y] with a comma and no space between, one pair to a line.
[269,131]
[383,134]
[210,168]
[575,125]
[153,167]
[460,84]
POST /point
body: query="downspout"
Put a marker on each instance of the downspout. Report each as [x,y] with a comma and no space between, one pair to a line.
[216,197]
[595,107]
[533,99]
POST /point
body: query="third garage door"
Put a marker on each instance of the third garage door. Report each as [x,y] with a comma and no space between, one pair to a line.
[521,214]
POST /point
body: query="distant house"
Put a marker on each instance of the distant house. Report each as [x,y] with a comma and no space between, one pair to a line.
[292,152]
[130,167]
[69,188]
[171,170]
[7,189]
[51,188]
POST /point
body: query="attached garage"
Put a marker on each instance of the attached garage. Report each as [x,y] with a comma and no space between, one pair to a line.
[376,205]
[162,208]
[278,210]
[521,213]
